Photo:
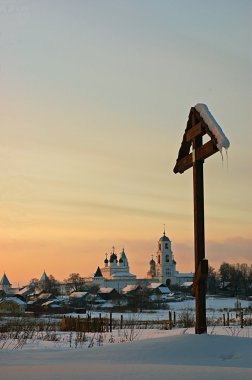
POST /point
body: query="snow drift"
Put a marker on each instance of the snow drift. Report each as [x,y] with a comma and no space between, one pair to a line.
[191,357]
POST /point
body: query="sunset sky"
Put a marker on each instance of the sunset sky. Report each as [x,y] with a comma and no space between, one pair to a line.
[94,101]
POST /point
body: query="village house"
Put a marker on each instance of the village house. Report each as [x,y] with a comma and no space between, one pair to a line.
[12,305]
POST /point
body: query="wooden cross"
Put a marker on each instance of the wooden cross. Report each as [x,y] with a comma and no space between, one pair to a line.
[193,138]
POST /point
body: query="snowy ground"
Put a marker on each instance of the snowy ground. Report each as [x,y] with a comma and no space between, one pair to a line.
[215,307]
[223,353]
[175,354]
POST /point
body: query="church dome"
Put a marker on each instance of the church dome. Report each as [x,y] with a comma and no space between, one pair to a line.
[113,257]
[152,262]
[164,238]
[106,261]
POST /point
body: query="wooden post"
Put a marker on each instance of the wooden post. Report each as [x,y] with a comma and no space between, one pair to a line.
[121,322]
[170,320]
[242,320]
[224,320]
[196,128]
[199,239]
[110,322]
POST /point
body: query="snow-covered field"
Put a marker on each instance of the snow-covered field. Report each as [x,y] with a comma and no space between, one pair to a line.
[215,306]
[223,353]
[176,354]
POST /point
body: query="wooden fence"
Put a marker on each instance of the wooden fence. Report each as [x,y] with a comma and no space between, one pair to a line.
[108,324]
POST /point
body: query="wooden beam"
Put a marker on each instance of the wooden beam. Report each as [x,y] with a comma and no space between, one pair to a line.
[199,239]
[196,130]
[201,274]
[201,154]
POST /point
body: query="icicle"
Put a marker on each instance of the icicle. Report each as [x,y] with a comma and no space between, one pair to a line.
[221,156]
[227,157]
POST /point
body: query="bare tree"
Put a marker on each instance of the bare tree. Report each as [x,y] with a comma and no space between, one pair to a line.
[76,282]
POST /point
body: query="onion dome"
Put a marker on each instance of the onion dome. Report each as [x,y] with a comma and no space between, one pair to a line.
[164,238]
[113,257]
[121,260]
[152,262]
[106,261]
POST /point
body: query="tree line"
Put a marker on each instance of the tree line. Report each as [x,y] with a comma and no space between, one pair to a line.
[231,279]
[235,279]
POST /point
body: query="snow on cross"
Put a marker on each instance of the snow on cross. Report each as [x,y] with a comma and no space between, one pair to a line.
[222,140]
[200,122]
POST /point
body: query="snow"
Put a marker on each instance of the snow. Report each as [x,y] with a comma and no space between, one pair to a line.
[122,274]
[171,354]
[136,354]
[222,141]
[16,300]
[129,288]
[78,294]
[105,290]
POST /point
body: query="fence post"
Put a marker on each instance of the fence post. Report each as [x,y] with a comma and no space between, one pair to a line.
[170,320]
[228,318]
[121,322]
[242,320]
[110,322]
[174,318]
[224,320]
[100,323]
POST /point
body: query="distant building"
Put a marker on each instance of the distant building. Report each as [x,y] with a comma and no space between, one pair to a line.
[5,284]
[116,268]
[12,305]
[116,271]
[163,269]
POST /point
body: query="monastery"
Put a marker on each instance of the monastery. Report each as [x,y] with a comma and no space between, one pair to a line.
[116,273]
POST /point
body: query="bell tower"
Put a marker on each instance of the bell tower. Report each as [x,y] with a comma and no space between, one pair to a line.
[165,264]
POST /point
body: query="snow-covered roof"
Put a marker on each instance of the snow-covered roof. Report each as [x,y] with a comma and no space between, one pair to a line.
[129,288]
[122,274]
[161,287]
[12,291]
[25,289]
[78,294]
[107,305]
[164,290]
[184,275]
[155,285]
[187,284]
[16,300]
[43,296]
[222,140]
[53,303]
[106,290]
